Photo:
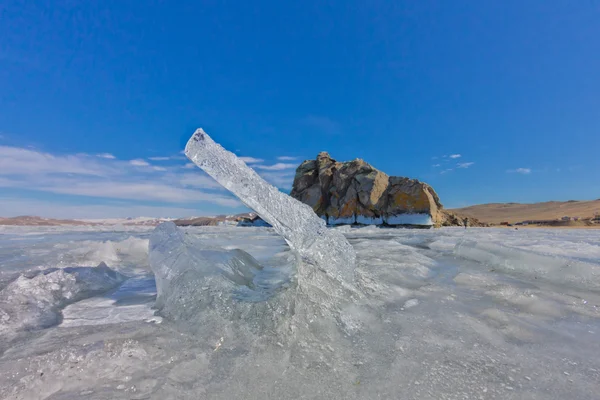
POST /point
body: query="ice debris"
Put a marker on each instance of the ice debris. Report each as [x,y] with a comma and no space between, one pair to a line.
[35,298]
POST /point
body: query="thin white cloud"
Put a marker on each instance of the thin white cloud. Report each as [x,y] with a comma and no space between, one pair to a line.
[106,155]
[287,158]
[199,180]
[446,171]
[251,160]
[159,158]
[455,156]
[144,191]
[138,190]
[464,165]
[20,161]
[12,207]
[139,163]
[275,167]
[189,166]
[281,179]
[434,158]
[523,171]
[436,165]
[106,178]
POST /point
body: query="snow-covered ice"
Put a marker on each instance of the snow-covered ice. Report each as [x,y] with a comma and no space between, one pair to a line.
[479,328]
[34,299]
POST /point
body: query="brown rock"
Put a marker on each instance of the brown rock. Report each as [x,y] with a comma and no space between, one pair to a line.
[356,192]
[449,218]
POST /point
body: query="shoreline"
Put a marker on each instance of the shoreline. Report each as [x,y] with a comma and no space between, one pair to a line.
[597,226]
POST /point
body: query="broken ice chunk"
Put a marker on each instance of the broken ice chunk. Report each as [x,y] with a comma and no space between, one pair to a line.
[171,255]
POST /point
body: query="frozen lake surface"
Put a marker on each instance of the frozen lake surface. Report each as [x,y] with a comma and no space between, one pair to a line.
[437,314]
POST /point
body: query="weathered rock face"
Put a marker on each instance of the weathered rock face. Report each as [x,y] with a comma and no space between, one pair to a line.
[452,219]
[355,192]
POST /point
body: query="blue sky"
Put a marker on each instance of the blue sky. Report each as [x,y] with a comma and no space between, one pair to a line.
[97,99]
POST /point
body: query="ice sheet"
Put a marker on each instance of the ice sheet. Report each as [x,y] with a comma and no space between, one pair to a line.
[434,323]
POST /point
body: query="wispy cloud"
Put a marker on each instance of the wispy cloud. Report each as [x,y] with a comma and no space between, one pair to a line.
[102,180]
[436,165]
[465,165]
[524,171]
[455,156]
[106,155]
[323,124]
[52,209]
[139,163]
[16,160]
[251,160]
[282,179]
[199,180]
[159,158]
[275,167]
[136,180]
[446,171]
[287,158]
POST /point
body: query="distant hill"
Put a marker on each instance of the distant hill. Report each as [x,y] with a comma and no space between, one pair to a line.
[495,213]
[245,219]
[27,220]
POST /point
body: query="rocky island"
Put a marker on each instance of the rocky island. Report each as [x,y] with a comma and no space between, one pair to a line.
[354,192]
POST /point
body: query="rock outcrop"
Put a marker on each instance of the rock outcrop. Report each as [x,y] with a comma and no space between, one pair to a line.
[355,192]
[450,218]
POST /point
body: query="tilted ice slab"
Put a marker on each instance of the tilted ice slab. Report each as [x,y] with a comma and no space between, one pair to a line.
[207,289]
[295,221]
